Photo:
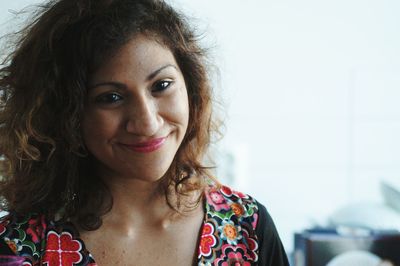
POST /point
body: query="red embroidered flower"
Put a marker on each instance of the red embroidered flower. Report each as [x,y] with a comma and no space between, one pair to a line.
[226,190]
[235,258]
[252,245]
[207,240]
[234,255]
[62,250]
[36,228]
[3,227]
[240,194]
[217,200]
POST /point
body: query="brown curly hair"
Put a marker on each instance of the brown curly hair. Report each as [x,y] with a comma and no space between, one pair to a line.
[43,87]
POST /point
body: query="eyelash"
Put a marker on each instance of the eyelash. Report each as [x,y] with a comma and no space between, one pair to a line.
[108,98]
[112,97]
[165,83]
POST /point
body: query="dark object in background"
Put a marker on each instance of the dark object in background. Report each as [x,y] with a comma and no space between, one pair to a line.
[317,247]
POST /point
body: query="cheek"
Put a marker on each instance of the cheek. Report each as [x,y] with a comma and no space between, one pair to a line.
[177,108]
[183,104]
[184,110]
[98,127]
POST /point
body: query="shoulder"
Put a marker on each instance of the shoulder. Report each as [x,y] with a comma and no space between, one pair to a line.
[237,224]
[37,239]
[272,251]
[221,199]
[229,228]
[22,234]
[226,202]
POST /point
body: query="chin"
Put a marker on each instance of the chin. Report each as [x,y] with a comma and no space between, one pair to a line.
[148,176]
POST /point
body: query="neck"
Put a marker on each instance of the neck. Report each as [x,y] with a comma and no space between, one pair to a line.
[139,202]
[132,197]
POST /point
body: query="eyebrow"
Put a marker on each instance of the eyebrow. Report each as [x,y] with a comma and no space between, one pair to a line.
[156,72]
[120,85]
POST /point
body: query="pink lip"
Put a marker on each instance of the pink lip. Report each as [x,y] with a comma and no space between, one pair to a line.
[147,146]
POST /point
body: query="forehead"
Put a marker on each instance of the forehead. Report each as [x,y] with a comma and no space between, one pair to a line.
[138,56]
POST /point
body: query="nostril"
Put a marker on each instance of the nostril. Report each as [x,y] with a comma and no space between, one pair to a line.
[143,116]
[144,124]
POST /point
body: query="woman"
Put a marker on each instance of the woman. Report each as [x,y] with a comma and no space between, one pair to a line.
[105,118]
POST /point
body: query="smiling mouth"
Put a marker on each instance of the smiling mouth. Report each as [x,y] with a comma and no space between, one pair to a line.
[147,146]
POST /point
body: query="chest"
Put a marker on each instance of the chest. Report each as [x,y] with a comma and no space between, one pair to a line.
[223,233]
[161,251]
[175,245]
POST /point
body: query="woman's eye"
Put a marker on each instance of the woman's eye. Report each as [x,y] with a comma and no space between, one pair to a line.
[161,85]
[108,98]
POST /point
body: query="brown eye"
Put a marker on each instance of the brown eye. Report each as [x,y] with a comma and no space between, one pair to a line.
[108,98]
[161,85]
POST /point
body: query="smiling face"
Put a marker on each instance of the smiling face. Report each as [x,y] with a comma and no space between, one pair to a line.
[137,111]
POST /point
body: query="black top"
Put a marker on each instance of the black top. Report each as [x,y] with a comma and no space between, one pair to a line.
[236,229]
[269,241]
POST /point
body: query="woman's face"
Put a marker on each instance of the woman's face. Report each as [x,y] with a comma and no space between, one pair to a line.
[137,111]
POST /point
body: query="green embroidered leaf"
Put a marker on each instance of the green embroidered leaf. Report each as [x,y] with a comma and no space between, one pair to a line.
[21,234]
[29,244]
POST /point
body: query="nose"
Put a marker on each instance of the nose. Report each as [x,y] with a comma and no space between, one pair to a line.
[143,118]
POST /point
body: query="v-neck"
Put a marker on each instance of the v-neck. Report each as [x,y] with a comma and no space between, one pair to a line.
[227,234]
[198,241]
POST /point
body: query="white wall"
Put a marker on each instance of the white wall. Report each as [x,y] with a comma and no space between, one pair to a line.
[312,92]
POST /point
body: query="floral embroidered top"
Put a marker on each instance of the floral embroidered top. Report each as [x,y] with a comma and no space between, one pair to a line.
[236,230]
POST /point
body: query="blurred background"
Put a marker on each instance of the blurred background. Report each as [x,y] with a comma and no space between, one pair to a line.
[310,91]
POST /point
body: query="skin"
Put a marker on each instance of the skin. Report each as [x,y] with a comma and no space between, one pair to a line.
[139,95]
